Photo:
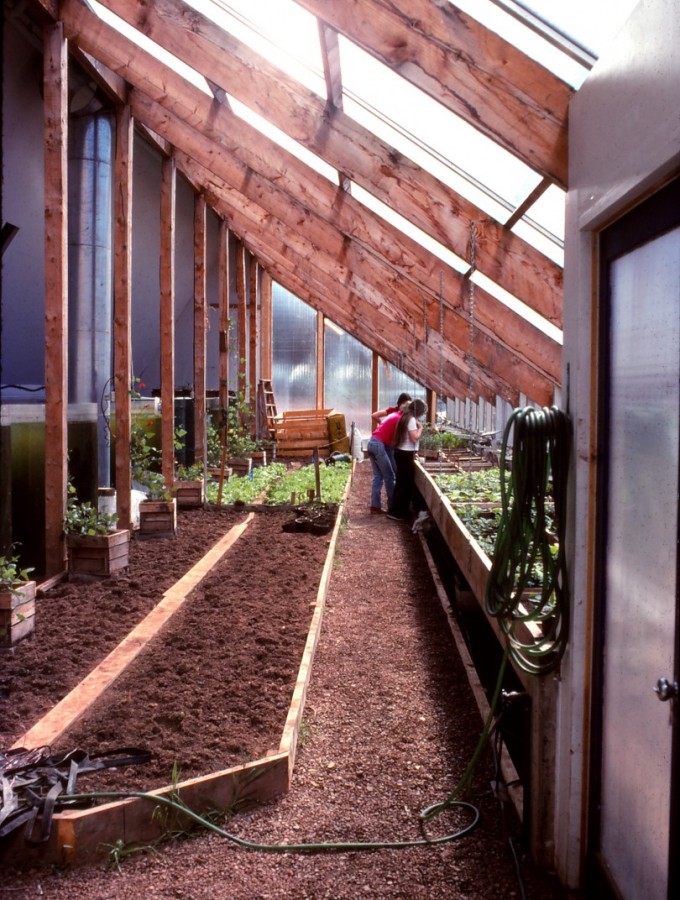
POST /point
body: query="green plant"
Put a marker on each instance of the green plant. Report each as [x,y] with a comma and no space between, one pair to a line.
[84,518]
[238,439]
[145,460]
[189,473]
[11,573]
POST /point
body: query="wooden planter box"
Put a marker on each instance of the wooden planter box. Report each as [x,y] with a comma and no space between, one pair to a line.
[17,614]
[158,518]
[259,457]
[189,494]
[98,555]
[241,465]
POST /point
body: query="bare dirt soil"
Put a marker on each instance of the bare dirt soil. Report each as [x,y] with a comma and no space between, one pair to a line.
[390,723]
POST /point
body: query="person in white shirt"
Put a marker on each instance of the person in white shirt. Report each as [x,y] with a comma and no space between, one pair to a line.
[406,442]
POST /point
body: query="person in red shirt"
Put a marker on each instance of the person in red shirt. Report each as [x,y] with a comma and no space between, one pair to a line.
[381,452]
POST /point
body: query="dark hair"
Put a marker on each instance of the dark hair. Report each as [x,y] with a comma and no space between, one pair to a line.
[415,408]
[403,398]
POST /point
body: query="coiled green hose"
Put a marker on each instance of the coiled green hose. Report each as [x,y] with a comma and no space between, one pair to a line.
[535,623]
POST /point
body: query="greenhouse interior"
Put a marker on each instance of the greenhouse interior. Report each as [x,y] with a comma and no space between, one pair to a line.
[332,449]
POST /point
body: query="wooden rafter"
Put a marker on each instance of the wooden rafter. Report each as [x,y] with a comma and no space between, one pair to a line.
[468,68]
[408,258]
[342,142]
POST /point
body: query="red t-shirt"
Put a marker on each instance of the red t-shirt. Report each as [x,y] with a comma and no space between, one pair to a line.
[385,431]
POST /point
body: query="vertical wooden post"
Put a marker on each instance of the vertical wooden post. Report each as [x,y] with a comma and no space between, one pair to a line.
[431,400]
[254,341]
[267,329]
[320,359]
[375,384]
[242,313]
[200,328]
[223,290]
[56,294]
[122,309]
[167,285]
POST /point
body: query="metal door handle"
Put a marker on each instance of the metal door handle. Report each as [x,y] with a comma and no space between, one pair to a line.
[667,690]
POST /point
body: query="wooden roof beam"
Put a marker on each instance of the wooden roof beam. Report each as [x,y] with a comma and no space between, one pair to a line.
[343,261]
[343,143]
[468,68]
[410,259]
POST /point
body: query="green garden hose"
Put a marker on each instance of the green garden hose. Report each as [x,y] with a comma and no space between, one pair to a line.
[527,587]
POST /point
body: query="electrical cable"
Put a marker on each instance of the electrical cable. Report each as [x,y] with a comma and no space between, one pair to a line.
[535,623]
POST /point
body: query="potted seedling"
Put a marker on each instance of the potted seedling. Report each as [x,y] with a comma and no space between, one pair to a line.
[158,512]
[96,548]
[17,600]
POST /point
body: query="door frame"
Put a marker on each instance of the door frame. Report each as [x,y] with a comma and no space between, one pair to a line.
[648,220]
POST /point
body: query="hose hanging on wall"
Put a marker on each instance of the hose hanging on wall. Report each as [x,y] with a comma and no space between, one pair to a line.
[527,588]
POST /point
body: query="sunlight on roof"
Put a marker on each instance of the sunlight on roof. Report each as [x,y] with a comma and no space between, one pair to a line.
[172,62]
[282,32]
[429,134]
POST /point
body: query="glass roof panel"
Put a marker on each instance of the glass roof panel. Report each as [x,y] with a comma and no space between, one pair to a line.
[281,31]
[592,24]
[429,134]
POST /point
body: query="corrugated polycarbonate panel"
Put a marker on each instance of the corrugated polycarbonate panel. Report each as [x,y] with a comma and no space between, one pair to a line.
[294,351]
[348,379]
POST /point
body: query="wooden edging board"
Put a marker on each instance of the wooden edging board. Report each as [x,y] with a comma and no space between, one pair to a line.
[80,836]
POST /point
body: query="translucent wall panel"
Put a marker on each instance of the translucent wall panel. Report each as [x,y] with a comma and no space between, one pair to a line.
[294,351]
[392,382]
[348,379]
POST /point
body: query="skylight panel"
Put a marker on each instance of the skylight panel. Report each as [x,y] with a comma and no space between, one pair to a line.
[517,305]
[432,136]
[279,30]
[593,24]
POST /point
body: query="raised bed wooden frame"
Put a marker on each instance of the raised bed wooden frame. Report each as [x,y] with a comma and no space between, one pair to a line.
[81,836]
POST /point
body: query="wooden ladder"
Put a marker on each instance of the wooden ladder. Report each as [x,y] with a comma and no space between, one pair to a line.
[268,406]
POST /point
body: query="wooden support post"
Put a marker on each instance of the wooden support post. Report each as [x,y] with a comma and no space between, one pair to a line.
[167,279]
[200,328]
[242,313]
[223,290]
[56,294]
[266,327]
[122,310]
[253,284]
[375,383]
[320,359]
[431,401]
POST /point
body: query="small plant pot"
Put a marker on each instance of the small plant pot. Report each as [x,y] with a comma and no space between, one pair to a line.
[158,518]
[17,614]
[189,494]
[98,555]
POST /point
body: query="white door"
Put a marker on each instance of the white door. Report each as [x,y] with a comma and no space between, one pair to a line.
[639,584]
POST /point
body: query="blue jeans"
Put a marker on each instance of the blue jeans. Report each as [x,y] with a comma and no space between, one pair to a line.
[383,471]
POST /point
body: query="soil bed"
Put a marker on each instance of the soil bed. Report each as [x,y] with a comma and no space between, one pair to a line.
[213,688]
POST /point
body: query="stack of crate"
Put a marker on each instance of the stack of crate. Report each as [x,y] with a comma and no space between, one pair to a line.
[302,431]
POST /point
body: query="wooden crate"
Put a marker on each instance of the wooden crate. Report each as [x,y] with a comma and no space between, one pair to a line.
[98,555]
[17,614]
[302,431]
[158,518]
[189,494]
